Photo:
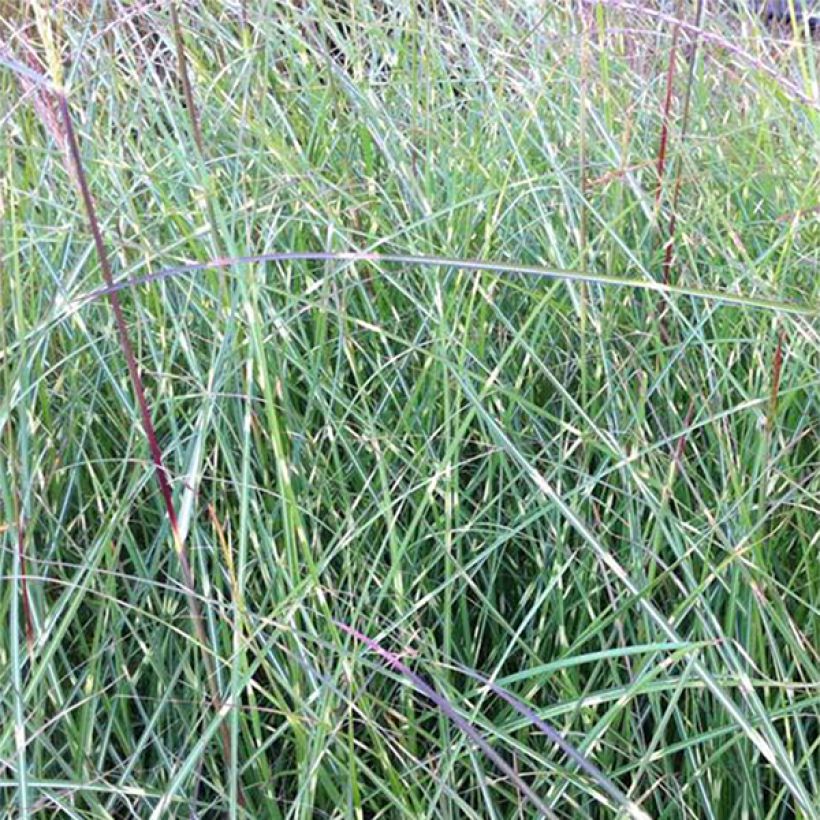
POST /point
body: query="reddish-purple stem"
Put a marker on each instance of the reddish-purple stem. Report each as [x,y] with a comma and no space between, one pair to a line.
[777,366]
[582,762]
[667,107]
[681,445]
[186,82]
[145,415]
[669,249]
[21,553]
[477,265]
[673,219]
[447,709]
[122,329]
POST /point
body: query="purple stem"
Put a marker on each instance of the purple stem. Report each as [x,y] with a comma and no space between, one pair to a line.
[448,710]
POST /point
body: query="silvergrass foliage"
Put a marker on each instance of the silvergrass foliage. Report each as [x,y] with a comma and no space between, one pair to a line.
[469,525]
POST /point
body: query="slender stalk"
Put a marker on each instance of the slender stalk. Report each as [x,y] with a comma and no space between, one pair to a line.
[24,593]
[145,415]
[488,266]
[182,61]
[670,242]
[584,764]
[667,107]
[449,711]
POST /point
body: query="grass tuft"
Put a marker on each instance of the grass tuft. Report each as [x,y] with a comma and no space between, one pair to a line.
[465,355]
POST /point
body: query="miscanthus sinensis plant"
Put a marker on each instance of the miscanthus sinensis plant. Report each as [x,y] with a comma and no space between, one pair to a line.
[408,410]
